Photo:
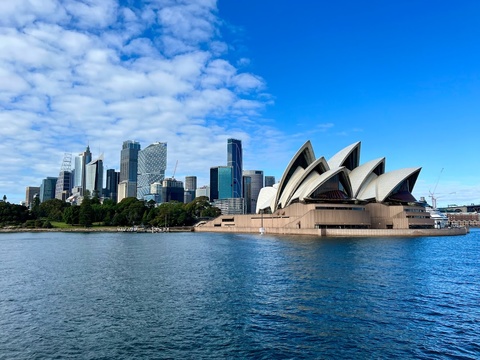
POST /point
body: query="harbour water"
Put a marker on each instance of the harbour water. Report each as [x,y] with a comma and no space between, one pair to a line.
[205,295]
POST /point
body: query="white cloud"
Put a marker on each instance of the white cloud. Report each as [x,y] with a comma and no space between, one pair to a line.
[95,72]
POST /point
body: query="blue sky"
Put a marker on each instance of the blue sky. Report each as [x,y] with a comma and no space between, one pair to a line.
[401,77]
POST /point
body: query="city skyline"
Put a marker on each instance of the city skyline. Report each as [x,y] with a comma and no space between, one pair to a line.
[196,73]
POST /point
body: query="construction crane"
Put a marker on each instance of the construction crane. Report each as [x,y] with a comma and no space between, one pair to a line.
[174,170]
[432,194]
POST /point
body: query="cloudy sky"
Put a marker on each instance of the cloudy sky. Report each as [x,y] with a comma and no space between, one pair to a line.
[401,77]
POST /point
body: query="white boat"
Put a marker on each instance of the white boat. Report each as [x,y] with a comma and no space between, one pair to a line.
[440,219]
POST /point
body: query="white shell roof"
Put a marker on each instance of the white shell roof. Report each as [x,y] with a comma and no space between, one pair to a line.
[304,175]
[387,182]
[291,185]
[318,167]
[266,198]
[306,151]
[360,175]
[314,182]
[338,159]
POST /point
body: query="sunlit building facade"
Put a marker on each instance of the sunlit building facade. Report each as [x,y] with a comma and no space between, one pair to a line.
[152,163]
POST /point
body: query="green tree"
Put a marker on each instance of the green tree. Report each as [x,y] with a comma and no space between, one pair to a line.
[211,212]
[53,209]
[71,215]
[130,212]
[13,214]
[36,207]
[171,214]
[86,214]
[201,207]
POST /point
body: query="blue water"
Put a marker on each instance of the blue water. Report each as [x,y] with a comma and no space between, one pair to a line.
[190,295]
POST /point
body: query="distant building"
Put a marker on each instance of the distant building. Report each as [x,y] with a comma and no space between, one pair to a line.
[252,184]
[467,219]
[94,178]
[64,185]
[111,188]
[232,206]
[191,183]
[129,166]
[47,189]
[125,188]
[79,176]
[30,193]
[235,161]
[172,190]
[63,188]
[155,193]
[269,180]
[203,191]
[190,189]
[152,163]
[221,182]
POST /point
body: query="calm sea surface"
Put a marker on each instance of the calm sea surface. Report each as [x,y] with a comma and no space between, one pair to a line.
[191,295]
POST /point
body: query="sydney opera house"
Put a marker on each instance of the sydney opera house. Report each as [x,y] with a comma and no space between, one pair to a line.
[335,197]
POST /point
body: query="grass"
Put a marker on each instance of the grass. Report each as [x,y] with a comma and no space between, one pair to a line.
[60,225]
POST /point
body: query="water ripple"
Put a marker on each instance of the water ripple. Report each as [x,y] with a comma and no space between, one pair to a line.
[166,296]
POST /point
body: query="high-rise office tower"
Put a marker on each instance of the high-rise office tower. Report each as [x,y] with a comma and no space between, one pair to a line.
[172,190]
[64,184]
[152,163]
[111,186]
[190,183]
[81,162]
[269,180]
[129,167]
[252,188]
[47,189]
[190,188]
[203,191]
[221,182]
[30,193]
[234,160]
[94,177]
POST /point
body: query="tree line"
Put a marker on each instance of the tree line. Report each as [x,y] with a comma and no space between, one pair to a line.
[128,212]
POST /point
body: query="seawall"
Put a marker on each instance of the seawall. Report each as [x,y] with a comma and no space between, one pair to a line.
[339,232]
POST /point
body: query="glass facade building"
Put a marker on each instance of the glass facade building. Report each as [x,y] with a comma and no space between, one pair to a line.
[253,183]
[235,161]
[81,161]
[129,166]
[269,180]
[47,189]
[221,182]
[94,178]
[111,186]
[152,163]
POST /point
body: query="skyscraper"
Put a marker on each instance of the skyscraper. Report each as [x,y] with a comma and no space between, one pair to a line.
[94,177]
[111,186]
[190,188]
[47,189]
[152,163]
[81,162]
[221,182]
[129,167]
[30,193]
[254,186]
[190,183]
[172,190]
[269,180]
[234,159]
[64,182]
